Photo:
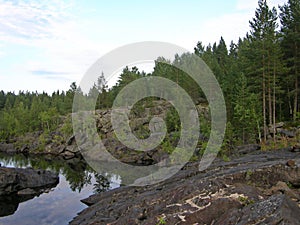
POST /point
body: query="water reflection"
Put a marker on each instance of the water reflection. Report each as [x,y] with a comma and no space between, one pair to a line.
[60,204]
[9,204]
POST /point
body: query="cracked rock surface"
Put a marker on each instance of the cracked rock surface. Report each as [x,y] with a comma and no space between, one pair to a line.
[257,188]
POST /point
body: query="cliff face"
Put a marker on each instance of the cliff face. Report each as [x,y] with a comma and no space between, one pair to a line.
[62,143]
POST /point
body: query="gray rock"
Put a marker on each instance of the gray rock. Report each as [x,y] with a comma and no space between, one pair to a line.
[218,195]
[8,148]
[71,140]
[27,191]
[287,133]
[278,209]
[72,148]
[246,149]
[68,155]
[13,180]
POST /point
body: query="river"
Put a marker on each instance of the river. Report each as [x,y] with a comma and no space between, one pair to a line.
[58,205]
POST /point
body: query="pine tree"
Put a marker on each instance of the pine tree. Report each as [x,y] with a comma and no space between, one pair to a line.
[262,38]
[290,20]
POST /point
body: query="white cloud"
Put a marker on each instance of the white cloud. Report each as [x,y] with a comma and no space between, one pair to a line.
[230,27]
[30,19]
[68,45]
[253,4]
[49,28]
[234,25]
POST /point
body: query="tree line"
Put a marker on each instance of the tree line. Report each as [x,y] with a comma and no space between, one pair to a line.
[259,76]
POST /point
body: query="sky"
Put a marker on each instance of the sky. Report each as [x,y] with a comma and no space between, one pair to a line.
[46,45]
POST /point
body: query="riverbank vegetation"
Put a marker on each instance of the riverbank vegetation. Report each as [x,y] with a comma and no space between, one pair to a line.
[259,76]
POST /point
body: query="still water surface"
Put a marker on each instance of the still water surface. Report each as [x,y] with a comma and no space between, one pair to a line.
[60,204]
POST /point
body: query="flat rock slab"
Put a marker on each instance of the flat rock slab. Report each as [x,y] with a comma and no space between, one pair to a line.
[238,191]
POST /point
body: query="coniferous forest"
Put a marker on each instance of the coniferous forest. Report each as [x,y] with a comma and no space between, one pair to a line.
[259,76]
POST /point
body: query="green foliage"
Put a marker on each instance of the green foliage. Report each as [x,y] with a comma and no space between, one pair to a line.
[58,139]
[245,200]
[43,139]
[225,158]
[172,120]
[259,76]
[249,173]
[167,146]
[289,185]
[161,221]
[67,127]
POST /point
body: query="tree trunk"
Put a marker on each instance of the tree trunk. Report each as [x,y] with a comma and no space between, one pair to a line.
[264,94]
[296,84]
[269,91]
[274,101]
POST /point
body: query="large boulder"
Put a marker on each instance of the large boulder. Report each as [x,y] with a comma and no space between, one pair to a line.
[13,180]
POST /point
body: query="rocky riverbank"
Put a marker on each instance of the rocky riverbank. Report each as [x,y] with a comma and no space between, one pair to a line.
[18,185]
[61,143]
[256,188]
[25,181]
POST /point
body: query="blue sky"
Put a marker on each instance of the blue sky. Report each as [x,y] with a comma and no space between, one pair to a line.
[45,45]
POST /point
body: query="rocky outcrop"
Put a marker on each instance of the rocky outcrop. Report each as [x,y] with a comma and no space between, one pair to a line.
[277,209]
[66,149]
[25,181]
[246,149]
[260,188]
[8,148]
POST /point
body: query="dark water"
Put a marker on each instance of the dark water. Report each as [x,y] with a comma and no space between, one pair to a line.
[60,204]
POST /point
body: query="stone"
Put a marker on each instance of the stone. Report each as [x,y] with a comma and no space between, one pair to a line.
[282,187]
[291,163]
[218,195]
[72,148]
[278,209]
[246,149]
[13,180]
[71,140]
[8,148]
[27,191]
[68,155]
[296,148]
[287,133]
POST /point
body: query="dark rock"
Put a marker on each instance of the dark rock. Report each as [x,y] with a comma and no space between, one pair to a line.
[72,148]
[9,203]
[71,140]
[8,148]
[68,155]
[13,180]
[24,149]
[287,133]
[282,188]
[218,195]
[296,148]
[291,163]
[277,209]
[200,101]
[246,149]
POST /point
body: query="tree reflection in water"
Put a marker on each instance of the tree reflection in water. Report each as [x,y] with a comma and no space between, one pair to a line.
[77,172]
[102,184]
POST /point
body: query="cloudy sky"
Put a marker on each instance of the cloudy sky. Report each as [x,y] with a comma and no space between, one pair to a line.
[46,45]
